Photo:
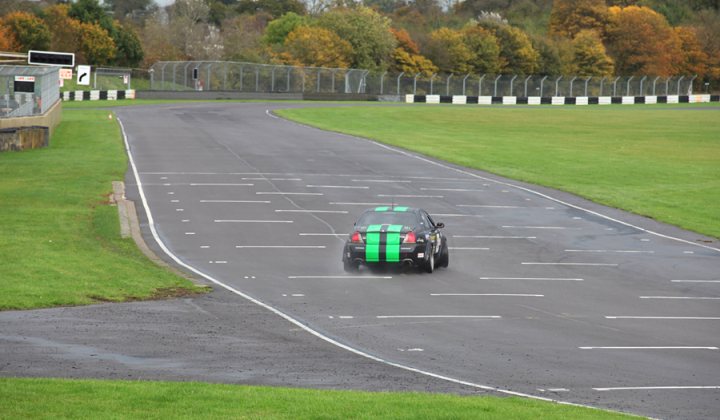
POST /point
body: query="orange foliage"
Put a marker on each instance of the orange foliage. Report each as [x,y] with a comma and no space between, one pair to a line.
[641,41]
[314,46]
[404,41]
[7,40]
[693,60]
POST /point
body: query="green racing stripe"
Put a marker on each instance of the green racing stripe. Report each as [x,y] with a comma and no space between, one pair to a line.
[373,243]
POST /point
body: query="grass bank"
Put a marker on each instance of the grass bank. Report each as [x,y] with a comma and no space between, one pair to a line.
[60,239]
[57,398]
[661,161]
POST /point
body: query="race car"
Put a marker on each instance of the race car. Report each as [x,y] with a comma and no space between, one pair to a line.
[386,236]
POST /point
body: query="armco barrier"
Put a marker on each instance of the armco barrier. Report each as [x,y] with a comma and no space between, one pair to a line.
[561,100]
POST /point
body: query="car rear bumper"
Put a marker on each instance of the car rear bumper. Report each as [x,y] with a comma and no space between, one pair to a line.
[409,254]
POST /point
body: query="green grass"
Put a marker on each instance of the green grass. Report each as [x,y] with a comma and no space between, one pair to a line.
[59,237]
[55,398]
[661,161]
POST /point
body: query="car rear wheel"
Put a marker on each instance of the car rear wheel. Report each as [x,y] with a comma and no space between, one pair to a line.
[430,264]
[350,267]
[444,258]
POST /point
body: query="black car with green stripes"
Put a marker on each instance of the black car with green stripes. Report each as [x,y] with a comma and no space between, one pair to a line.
[396,236]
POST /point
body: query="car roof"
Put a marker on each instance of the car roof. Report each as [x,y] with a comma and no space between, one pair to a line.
[397,209]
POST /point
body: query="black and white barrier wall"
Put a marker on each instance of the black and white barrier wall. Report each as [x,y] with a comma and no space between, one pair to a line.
[98,95]
[560,100]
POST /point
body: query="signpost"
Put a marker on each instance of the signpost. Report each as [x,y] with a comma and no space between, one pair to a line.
[83,75]
[51,58]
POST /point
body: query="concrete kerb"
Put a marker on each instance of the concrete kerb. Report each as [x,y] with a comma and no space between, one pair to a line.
[130,227]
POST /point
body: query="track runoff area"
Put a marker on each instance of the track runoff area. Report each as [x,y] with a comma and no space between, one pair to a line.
[552,298]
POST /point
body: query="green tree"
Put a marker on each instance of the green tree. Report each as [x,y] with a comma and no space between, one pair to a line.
[28,31]
[275,8]
[448,51]
[484,47]
[125,8]
[90,11]
[129,49]
[97,47]
[368,33]
[517,54]
[589,55]
[568,17]
[278,29]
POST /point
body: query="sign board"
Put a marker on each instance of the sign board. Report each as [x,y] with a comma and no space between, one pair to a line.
[51,58]
[125,79]
[66,74]
[24,84]
[83,75]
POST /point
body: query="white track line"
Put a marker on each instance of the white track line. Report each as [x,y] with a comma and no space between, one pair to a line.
[531,278]
[323,234]
[494,237]
[438,316]
[651,348]
[389,181]
[695,281]
[655,388]
[681,318]
[490,207]
[680,297]
[339,277]
[252,221]
[296,322]
[455,215]
[285,193]
[467,248]
[218,184]
[542,227]
[312,211]
[360,204]
[347,187]
[572,264]
[451,189]
[271,179]
[237,201]
[487,294]
[281,246]
[601,251]
[410,196]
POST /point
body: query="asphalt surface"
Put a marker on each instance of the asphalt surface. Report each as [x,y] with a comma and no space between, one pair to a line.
[546,294]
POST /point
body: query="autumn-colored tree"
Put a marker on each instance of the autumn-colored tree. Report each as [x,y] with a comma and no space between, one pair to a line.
[406,57]
[7,40]
[447,49]
[274,8]
[242,38]
[66,31]
[589,55]
[278,29]
[97,46]
[693,59]
[317,47]
[368,33]
[517,54]
[708,35]
[569,17]
[641,41]
[485,49]
[28,31]
[157,43]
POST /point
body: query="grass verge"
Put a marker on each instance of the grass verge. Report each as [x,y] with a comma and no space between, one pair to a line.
[660,161]
[60,238]
[58,398]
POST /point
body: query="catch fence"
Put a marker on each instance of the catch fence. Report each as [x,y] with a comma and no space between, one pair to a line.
[266,78]
[27,91]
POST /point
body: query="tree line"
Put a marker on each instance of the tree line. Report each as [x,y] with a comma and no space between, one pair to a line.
[545,37]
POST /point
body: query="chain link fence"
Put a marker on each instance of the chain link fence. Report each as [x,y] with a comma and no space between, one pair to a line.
[26,91]
[251,77]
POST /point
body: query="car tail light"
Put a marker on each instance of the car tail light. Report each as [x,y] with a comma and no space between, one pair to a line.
[356,238]
[409,238]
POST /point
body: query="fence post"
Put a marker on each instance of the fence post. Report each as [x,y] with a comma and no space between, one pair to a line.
[185,71]
[382,79]
[272,79]
[496,80]
[680,80]
[174,73]
[557,86]
[432,78]
[317,89]
[464,79]
[641,85]
[225,66]
[257,79]
[586,85]
[615,86]
[691,83]
[525,87]
[480,84]
[654,83]
[627,93]
[415,84]
[512,83]
[447,85]
[398,82]
[572,81]
[542,83]
[287,85]
[602,82]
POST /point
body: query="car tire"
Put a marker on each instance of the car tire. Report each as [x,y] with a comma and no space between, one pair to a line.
[350,267]
[430,263]
[444,259]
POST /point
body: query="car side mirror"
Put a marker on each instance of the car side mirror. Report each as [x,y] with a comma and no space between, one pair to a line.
[440,225]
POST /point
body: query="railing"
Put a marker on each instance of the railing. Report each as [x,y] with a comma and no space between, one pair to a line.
[252,77]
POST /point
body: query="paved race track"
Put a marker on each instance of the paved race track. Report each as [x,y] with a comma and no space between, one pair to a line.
[546,294]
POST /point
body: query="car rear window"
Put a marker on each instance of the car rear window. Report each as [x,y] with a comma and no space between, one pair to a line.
[388,218]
